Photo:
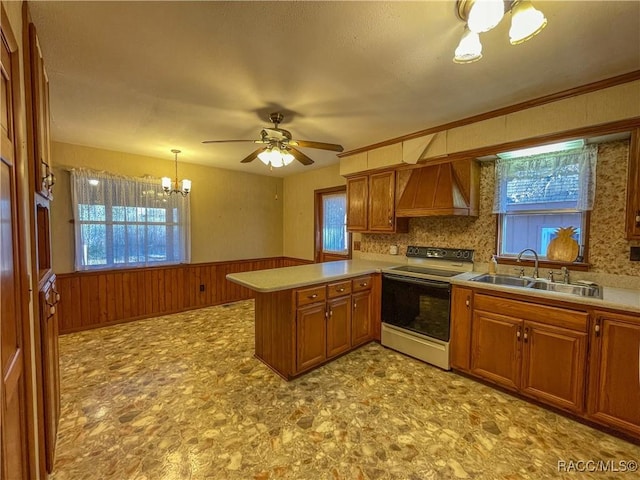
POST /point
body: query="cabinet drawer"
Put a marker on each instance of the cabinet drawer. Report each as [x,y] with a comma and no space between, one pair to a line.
[361,283]
[339,288]
[311,295]
[558,317]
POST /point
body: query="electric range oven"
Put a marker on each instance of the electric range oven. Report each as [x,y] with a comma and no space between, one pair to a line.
[416,302]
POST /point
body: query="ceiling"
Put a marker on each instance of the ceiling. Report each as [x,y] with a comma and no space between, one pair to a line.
[146,77]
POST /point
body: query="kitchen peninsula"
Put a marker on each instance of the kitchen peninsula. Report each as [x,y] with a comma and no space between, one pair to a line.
[309,314]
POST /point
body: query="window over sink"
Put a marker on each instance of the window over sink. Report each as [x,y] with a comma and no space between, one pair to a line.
[536,194]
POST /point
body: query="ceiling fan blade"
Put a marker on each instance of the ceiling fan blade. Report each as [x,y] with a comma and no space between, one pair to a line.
[253,155]
[233,141]
[320,145]
[301,157]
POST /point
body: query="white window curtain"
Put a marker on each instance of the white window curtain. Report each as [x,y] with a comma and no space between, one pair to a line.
[124,222]
[566,179]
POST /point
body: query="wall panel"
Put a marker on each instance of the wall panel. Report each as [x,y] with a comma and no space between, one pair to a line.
[100,298]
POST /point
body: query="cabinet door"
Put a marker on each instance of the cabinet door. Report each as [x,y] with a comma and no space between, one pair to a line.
[460,345]
[338,326]
[633,188]
[495,348]
[614,386]
[51,377]
[381,201]
[44,178]
[361,325]
[311,336]
[357,203]
[553,365]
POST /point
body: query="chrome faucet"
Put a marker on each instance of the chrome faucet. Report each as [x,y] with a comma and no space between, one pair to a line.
[535,267]
[565,275]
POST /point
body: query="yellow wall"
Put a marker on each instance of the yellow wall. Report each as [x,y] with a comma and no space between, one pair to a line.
[299,209]
[234,215]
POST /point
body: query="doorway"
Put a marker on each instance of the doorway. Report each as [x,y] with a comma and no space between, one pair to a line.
[332,240]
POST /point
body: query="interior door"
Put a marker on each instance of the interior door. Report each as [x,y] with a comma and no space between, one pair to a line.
[332,240]
[13,413]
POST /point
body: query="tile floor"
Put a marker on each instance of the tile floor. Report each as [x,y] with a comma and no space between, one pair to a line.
[182,397]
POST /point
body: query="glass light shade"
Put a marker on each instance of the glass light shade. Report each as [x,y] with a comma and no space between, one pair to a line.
[287,158]
[186,185]
[166,183]
[526,21]
[484,15]
[469,49]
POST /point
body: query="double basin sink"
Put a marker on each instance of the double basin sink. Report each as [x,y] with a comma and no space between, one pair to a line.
[579,289]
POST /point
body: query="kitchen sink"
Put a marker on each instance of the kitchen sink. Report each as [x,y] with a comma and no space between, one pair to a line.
[582,290]
[579,289]
[504,280]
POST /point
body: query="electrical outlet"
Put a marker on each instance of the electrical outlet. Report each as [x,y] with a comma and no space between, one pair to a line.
[634,256]
[202,287]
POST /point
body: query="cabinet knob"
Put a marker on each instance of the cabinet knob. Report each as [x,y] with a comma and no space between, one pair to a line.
[597,328]
[638,218]
[52,309]
[518,333]
[390,221]
[341,290]
[313,296]
[364,284]
[526,334]
[467,302]
[354,305]
[57,297]
[330,313]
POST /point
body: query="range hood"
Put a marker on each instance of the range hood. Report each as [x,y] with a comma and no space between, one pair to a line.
[443,189]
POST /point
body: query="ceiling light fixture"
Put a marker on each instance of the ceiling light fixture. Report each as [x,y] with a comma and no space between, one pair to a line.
[169,188]
[276,157]
[480,16]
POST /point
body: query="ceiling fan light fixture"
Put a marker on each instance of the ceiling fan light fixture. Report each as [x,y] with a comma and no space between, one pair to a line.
[526,22]
[469,49]
[481,15]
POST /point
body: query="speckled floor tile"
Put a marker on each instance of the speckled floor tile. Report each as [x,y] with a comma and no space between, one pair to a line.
[182,397]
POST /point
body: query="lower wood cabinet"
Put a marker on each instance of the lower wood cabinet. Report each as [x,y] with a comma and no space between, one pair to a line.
[311,336]
[297,330]
[49,298]
[579,359]
[536,350]
[614,383]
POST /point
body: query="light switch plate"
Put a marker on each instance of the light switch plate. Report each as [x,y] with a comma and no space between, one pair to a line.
[634,256]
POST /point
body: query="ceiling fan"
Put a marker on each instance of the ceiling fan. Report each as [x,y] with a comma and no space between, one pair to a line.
[279,147]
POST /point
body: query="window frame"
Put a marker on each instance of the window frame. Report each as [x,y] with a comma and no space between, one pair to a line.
[319,255]
[111,250]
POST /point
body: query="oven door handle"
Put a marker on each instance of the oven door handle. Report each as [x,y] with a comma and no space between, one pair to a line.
[418,281]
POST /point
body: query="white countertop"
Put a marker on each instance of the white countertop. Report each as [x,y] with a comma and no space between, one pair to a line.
[614,298]
[276,279]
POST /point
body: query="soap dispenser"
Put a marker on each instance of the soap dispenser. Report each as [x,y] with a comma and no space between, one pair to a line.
[493,265]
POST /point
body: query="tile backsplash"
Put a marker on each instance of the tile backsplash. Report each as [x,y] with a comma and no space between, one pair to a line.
[608,248]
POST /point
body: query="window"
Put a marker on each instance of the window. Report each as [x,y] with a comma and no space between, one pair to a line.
[127,222]
[334,224]
[537,194]
[332,241]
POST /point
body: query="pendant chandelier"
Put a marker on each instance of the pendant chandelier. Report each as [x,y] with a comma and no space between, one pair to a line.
[480,16]
[169,187]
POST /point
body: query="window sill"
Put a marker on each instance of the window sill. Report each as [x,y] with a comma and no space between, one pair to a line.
[544,263]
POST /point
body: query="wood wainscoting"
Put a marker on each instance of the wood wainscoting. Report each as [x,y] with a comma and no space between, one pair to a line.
[100,298]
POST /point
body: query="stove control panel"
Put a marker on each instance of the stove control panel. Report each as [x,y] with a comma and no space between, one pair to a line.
[440,253]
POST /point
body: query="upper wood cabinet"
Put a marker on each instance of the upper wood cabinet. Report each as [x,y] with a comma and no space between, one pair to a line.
[449,188]
[38,122]
[614,369]
[357,203]
[371,204]
[633,188]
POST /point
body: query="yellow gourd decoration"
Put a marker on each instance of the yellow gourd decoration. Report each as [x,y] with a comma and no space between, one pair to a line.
[563,248]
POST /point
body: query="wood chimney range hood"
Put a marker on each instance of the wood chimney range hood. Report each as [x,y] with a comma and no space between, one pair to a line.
[443,189]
